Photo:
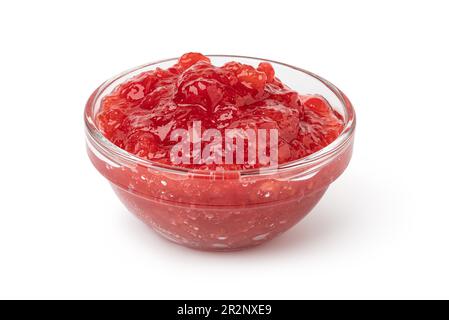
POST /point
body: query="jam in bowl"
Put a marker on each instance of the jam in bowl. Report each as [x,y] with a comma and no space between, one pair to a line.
[205,199]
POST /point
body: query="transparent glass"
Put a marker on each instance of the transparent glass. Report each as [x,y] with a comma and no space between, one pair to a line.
[227,210]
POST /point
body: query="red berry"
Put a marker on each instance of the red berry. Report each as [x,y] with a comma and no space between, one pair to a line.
[189,59]
[267,68]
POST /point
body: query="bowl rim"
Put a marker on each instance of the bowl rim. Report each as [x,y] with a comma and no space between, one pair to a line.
[111,151]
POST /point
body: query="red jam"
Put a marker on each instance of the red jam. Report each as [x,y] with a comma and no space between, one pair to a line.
[140,115]
[216,209]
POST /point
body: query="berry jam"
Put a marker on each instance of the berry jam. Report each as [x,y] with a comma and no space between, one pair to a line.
[140,115]
[216,206]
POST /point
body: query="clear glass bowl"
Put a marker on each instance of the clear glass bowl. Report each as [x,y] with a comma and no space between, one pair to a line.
[228,210]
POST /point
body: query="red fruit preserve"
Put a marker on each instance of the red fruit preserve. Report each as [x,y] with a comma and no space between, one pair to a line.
[140,115]
[219,157]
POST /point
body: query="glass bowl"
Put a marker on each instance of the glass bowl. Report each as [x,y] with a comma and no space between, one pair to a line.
[222,210]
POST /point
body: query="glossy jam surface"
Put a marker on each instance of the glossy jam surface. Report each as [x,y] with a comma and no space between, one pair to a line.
[140,115]
[216,209]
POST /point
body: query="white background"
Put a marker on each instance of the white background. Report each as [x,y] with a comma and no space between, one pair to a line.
[381,231]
